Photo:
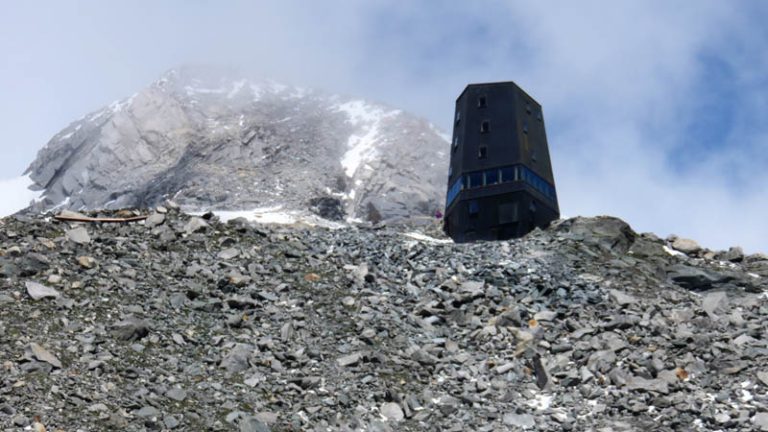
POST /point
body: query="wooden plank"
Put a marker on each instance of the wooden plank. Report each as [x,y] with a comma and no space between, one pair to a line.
[100,219]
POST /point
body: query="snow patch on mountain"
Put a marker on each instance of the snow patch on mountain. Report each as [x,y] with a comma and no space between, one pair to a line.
[274,215]
[362,145]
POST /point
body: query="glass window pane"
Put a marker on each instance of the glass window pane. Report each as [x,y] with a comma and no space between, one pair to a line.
[475,180]
[491,177]
[474,208]
[507,174]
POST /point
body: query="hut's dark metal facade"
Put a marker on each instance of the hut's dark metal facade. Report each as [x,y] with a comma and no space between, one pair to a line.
[500,182]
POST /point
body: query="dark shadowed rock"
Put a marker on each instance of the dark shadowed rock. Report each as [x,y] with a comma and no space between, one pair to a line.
[694,278]
[131,329]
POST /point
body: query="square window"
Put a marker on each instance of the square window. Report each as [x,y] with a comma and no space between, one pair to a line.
[482,102]
[485,126]
[482,152]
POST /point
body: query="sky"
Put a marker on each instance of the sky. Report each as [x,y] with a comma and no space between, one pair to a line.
[656,111]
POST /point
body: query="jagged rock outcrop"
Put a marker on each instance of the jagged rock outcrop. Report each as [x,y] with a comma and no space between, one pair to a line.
[212,142]
[186,323]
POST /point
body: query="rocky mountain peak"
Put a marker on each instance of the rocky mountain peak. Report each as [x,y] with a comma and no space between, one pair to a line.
[209,140]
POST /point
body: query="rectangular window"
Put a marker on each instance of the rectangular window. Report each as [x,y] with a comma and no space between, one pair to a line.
[474,208]
[525,126]
[453,191]
[482,152]
[508,213]
[485,126]
[491,177]
[507,174]
[482,102]
[528,108]
[475,180]
[455,143]
[458,116]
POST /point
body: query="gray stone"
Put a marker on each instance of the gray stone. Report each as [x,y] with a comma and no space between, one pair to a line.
[176,394]
[154,220]
[734,254]
[79,235]
[715,303]
[524,421]
[147,412]
[194,225]
[349,360]
[237,358]
[171,422]
[392,411]
[20,420]
[227,254]
[763,377]
[545,316]
[39,291]
[252,424]
[131,329]
[622,298]
[686,246]
[760,420]
[648,385]
[98,407]
[44,355]
[606,233]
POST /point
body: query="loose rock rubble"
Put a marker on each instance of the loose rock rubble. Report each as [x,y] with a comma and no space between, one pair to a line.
[183,323]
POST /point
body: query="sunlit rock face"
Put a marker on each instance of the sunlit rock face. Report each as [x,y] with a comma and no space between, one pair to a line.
[213,142]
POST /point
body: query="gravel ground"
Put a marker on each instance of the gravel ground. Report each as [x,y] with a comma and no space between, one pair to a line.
[185,323]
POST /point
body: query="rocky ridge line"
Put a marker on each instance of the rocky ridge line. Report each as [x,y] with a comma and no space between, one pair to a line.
[211,141]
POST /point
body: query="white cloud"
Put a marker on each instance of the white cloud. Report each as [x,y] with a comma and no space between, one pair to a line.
[15,195]
[618,83]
